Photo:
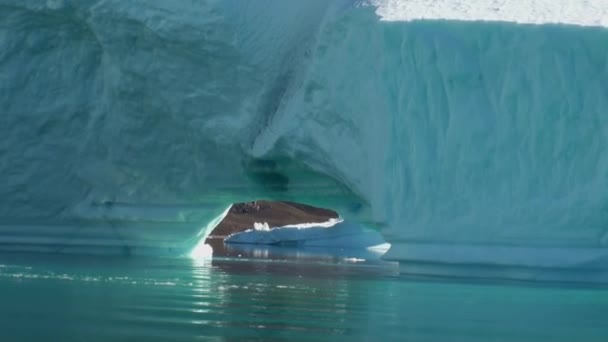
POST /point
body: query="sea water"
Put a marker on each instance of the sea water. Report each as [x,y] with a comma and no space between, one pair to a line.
[265,295]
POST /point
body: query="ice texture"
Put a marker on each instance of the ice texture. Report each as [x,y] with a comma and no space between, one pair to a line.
[334,234]
[134,124]
[584,12]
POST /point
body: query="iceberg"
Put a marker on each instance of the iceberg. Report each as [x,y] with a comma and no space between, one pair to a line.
[462,132]
[347,241]
[333,234]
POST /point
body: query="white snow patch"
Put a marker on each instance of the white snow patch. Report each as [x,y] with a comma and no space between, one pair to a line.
[327,224]
[257,226]
[333,234]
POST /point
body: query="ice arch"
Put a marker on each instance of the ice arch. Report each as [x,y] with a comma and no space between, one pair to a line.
[142,121]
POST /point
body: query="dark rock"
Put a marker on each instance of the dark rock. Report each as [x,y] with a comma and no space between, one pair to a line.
[242,216]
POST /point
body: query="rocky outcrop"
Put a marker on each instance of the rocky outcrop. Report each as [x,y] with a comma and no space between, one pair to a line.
[242,216]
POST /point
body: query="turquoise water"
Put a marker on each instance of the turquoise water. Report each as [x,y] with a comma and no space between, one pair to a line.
[300,297]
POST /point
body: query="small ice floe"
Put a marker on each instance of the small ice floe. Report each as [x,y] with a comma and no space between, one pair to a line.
[334,234]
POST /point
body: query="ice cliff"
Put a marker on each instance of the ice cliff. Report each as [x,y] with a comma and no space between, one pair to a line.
[137,123]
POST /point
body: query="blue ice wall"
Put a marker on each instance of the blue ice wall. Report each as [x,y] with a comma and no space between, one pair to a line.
[457,139]
[129,123]
[489,134]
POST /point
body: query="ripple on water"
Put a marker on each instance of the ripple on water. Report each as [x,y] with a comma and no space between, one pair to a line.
[168,299]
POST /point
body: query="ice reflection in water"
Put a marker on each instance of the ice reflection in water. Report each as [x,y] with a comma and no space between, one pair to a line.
[234,299]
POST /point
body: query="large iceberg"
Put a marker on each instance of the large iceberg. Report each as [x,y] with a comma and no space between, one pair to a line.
[134,125]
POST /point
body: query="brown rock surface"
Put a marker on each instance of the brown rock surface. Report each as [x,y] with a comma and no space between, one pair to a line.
[242,216]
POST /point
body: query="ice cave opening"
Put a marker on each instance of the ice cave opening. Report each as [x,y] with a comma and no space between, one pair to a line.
[264,228]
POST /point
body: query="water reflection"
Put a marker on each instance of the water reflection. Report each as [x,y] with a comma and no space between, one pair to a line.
[308,253]
[235,299]
[330,254]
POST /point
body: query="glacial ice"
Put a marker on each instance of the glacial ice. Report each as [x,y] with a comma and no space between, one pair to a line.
[134,124]
[334,234]
[334,239]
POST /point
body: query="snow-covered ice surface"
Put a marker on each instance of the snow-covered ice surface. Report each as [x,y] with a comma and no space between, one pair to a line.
[330,223]
[583,12]
[134,124]
[348,241]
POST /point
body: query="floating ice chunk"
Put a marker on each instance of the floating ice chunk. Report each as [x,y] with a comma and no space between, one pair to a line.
[333,234]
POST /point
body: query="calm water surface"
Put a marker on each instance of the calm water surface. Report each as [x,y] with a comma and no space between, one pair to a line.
[283,298]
